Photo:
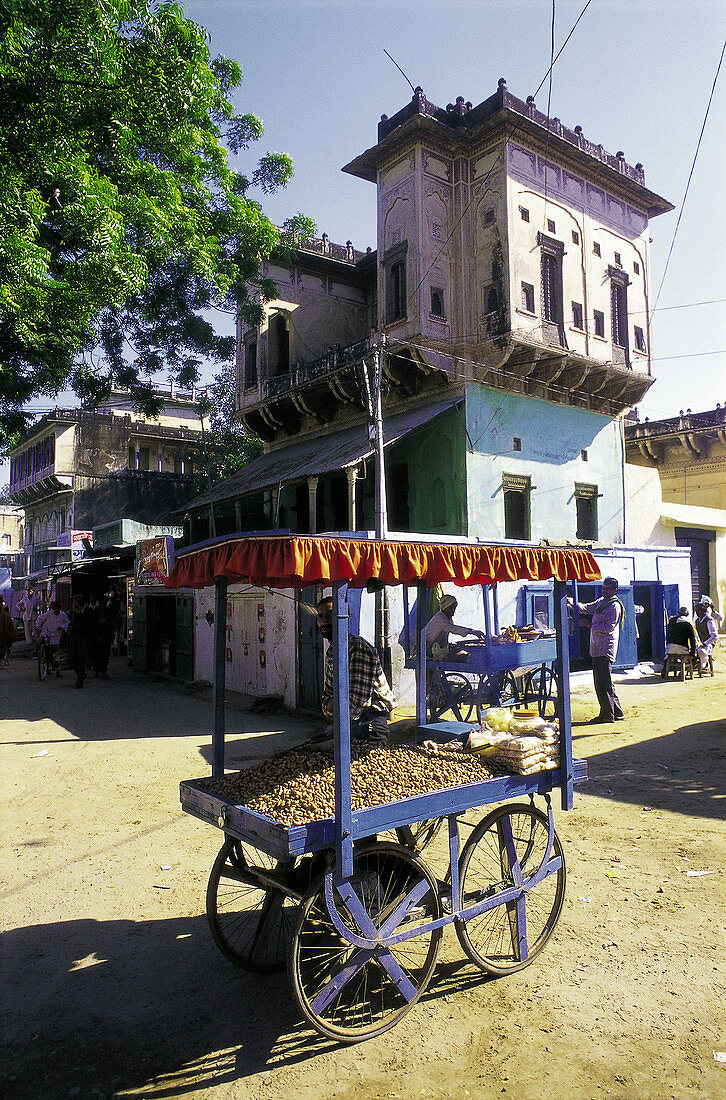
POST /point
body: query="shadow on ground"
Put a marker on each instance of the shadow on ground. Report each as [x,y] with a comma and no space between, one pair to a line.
[685,771]
[149,1008]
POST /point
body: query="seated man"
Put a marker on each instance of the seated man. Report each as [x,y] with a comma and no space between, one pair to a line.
[706,631]
[371,699]
[680,638]
[440,626]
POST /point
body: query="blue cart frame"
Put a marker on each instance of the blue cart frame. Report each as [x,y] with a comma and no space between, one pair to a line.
[348,917]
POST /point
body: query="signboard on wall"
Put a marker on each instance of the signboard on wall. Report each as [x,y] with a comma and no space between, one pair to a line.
[74,541]
[154,559]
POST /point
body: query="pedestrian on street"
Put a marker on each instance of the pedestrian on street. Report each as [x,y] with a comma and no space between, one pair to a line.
[53,630]
[7,634]
[79,634]
[371,698]
[28,608]
[606,616]
[707,632]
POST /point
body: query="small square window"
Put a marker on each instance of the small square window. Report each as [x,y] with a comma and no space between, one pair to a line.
[596,248]
[577,315]
[636,267]
[524,213]
[639,338]
[516,444]
[599,318]
[583,456]
[528,297]
[551,228]
[575,237]
[437,302]
[489,216]
[618,260]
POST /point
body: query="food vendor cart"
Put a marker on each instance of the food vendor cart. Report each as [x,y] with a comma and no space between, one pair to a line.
[511,668]
[359,918]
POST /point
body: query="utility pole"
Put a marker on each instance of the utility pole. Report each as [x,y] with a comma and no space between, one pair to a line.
[373,377]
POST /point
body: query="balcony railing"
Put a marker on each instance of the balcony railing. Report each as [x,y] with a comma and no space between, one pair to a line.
[302,373]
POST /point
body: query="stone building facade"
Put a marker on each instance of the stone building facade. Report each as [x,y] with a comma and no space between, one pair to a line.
[76,469]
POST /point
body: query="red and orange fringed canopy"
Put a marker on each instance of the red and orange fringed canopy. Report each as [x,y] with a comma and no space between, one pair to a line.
[294,561]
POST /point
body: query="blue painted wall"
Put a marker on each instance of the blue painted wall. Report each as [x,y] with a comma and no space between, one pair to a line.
[553,438]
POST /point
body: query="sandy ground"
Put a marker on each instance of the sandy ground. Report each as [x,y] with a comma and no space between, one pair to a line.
[112,986]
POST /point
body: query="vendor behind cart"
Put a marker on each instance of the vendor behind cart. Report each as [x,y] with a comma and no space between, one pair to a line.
[371,698]
[440,626]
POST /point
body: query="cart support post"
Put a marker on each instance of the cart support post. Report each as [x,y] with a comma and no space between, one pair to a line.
[562,665]
[341,727]
[220,653]
[421,609]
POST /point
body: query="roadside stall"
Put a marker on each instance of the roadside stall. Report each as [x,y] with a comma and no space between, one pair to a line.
[309,874]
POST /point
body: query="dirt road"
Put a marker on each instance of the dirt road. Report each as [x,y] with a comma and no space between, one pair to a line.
[113,986]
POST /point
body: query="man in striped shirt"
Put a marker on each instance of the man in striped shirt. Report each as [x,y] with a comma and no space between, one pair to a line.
[371,698]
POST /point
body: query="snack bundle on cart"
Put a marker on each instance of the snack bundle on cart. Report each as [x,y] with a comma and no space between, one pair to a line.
[321,866]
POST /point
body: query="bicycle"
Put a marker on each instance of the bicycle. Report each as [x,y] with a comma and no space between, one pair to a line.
[44,660]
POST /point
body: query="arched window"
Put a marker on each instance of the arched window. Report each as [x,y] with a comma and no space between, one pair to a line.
[278,347]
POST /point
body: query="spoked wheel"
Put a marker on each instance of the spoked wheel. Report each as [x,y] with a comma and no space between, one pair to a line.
[507,849]
[509,692]
[251,923]
[416,836]
[462,695]
[542,689]
[348,992]
[42,663]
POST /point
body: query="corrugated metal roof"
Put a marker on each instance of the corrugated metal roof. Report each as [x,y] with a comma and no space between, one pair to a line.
[320,455]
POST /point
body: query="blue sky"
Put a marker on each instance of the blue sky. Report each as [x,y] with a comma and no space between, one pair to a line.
[636,75]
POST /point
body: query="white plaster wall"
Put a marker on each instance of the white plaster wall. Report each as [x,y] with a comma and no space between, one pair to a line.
[275,674]
[553,438]
[552,192]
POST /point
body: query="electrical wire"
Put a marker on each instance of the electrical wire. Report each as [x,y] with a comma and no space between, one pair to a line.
[481,191]
[690,175]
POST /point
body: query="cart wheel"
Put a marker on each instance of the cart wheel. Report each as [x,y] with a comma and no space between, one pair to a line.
[416,836]
[351,993]
[251,924]
[542,689]
[507,848]
[509,693]
[462,694]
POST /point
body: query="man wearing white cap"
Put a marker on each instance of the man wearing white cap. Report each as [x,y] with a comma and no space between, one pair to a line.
[441,625]
[706,631]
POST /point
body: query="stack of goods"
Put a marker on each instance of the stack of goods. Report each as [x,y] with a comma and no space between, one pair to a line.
[519,742]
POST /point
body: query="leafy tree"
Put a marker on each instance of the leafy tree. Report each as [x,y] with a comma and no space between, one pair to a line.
[228,444]
[121,221]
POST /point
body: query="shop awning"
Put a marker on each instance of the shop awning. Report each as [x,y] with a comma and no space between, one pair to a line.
[321,455]
[294,561]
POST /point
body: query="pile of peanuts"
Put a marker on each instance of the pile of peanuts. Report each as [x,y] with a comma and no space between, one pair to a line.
[299,786]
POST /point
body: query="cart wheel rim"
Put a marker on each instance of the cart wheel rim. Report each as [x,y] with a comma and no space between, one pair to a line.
[349,993]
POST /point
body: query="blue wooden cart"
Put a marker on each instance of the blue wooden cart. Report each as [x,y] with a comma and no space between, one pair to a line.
[358,917]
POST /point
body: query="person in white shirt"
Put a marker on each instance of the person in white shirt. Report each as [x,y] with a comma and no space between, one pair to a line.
[53,629]
[706,631]
[441,625]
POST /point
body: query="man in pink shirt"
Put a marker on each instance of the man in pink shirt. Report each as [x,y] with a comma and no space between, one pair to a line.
[607,615]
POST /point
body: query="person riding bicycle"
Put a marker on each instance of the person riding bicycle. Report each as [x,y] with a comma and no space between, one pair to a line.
[54,628]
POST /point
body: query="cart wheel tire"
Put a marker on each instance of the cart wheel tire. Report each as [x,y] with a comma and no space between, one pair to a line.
[509,693]
[368,1002]
[416,836]
[251,924]
[491,939]
[542,689]
[463,694]
[42,663]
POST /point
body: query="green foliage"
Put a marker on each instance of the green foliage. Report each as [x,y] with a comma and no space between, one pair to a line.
[121,221]
[229,445]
